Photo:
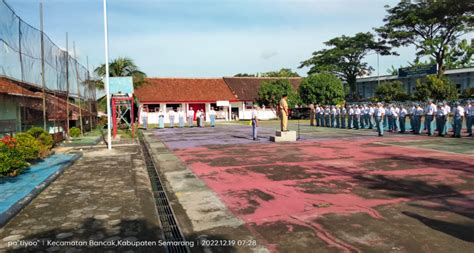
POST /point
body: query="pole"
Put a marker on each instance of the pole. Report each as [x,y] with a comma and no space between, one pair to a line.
[89,90]
[20,53]
[67,86]
[42,66]
[106,42]
[378,70]
[78,88]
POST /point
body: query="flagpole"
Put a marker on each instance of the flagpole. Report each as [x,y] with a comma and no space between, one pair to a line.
[109,112]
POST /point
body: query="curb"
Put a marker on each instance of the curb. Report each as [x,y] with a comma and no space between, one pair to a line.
[22,203]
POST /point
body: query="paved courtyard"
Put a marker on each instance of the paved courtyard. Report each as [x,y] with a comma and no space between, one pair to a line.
[335,190]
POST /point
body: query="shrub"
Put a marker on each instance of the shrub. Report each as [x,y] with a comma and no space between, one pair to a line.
[36,132]
[75,132]
[11,162]
[46,141]
[27,146]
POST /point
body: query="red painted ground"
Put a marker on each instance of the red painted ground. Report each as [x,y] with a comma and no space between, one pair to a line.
[299,182]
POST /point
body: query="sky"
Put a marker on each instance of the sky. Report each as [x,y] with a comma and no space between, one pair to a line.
[209,38]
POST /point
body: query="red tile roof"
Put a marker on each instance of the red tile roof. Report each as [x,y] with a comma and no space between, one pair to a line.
[246,88]
[184,90]
[11,87]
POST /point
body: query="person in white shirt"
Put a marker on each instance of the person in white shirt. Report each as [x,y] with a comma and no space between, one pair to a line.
[202,118]
[379,115]
[343,116]
[255,123]
[350,124]
[327,116]
[470,114]
[371,116]
[190,117]
[144,116]
[171,115]
[338,117]
[318,115]
[447,109]
[198,118]
[395,114]
[161,119]
[212,115]
[412,118]
[417,118]
[181,118]
[402,119]
[441,120]
[388,114]
[457,119]
[332,116]
[357,113]
[430,111]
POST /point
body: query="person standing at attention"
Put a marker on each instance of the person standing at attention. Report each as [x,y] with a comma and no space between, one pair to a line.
[379,115]
[457,119]
[181,118]
[190,117]
[171,117]
[284,113]
[212,115]
[312,112]
[144,116]
[255,123]
[430,111]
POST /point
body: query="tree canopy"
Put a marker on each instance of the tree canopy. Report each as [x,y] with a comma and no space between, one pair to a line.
[438,88]
[271,92]
[280,73]
[244,75]
[433,27]
[123,67]
[345,57]
[324,88]
[390,91]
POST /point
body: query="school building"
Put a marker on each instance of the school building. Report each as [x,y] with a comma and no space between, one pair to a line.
[232,97]
[463,78]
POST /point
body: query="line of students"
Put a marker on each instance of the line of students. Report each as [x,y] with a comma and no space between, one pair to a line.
[182,118]
[394,117]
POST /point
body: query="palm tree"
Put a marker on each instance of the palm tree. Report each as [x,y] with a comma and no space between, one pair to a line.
[123,66]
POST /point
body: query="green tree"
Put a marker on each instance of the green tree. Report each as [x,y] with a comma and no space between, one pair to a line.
[468,93]
[270,93]
[460,55]
[123,67]
[244,75]
[390,91]
[324,88]
[431,26]
[438,88]
[345,57]
[280,73]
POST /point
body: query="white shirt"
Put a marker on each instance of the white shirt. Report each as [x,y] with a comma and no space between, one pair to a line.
[418,111]
[394,111]
[318,109]
[213,112]
[338,111]
[447,108]
[191,113]
[413,110]
[333,111]
[144,114]
[430,109]
[351,111]
[371,111]
[357,111]
[180,114]
[171,114]
[254,114]
[379,111]
[403,112]
[459,111]
[440,112]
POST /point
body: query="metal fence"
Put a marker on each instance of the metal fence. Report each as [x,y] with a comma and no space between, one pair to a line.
[37,75]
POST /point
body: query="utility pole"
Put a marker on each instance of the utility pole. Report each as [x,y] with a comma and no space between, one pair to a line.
[42,67]
[89,92]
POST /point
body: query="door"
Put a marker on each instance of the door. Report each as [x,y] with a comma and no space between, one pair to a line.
[197,107]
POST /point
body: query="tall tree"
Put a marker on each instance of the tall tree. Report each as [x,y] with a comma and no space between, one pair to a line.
[438,88]
[345,57]
[270,93]
[324,88]
[280,73]
[461,55]
[123,67]
[432,26]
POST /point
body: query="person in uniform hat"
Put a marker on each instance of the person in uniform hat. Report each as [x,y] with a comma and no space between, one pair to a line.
[441,120]
[430,111]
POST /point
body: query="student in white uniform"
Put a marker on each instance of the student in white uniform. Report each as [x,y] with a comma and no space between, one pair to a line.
[338,117]
[371,116]
[357,113]
[198,118]
[181,117]
[430,111]
[333,116]
[470,114]
[161,119]
[190,117]
[144,116]
[318,115]
[457,119]
[379,115]
[441,120]
[350,123]
[171,115]
[343,116]
[402,119]
[212,115]
[202,118]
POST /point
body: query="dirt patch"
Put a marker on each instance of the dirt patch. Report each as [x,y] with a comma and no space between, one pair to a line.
[281,172]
